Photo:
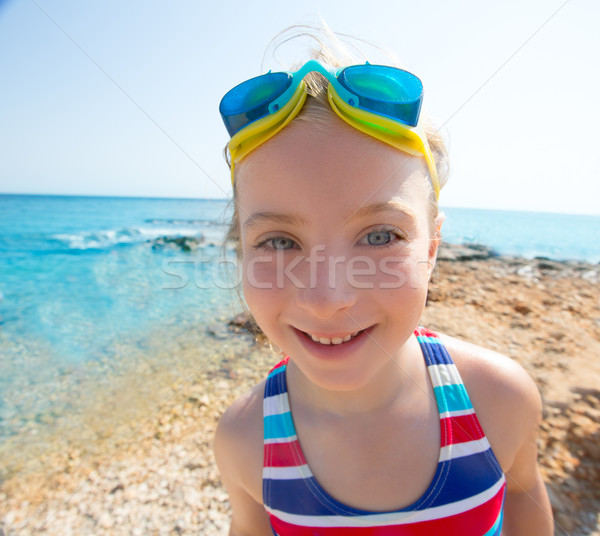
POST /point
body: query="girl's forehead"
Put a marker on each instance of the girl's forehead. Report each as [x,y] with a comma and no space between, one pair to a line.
[329,166]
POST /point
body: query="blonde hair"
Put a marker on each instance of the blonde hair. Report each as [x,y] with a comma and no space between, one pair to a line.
[317,112]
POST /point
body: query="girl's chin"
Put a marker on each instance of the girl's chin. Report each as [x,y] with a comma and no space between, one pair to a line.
[348,379]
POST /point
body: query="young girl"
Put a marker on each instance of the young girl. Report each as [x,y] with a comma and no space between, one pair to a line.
[370,425]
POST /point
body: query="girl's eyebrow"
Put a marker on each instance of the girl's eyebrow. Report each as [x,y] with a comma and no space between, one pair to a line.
[375,209]
[393,205]
[261,218]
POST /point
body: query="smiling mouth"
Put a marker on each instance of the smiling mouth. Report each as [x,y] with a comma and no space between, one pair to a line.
[334,340]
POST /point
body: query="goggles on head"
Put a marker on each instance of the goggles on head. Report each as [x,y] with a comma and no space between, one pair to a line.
[381,101]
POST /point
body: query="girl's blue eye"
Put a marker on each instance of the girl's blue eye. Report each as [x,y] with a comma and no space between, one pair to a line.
[379,238]
[281,242]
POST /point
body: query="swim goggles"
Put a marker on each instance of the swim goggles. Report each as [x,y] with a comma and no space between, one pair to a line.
[381,101]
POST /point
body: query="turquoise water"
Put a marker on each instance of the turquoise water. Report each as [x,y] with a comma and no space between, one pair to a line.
[526,234]
[93,309]
[78,272]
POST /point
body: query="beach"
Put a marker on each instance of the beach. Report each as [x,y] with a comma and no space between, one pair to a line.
[161,478]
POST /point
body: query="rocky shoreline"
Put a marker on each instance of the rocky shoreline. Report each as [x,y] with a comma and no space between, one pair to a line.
[543,313]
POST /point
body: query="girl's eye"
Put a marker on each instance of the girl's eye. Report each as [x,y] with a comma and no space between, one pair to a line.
[279,242]
[380,237]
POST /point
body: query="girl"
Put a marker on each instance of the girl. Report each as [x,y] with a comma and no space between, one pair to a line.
[370,425]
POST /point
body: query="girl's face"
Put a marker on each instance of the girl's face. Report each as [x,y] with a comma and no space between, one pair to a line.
[336,249]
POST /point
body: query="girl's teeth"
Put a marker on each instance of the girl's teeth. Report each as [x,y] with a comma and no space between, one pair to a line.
[335,340]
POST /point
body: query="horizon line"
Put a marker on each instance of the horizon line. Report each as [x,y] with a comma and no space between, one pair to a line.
[175,198]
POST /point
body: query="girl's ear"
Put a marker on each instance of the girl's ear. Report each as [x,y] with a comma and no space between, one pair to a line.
[434,243]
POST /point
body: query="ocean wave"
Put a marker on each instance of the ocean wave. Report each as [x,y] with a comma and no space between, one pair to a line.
[172,221]
[109,238]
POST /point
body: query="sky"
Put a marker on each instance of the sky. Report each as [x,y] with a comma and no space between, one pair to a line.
[121,98]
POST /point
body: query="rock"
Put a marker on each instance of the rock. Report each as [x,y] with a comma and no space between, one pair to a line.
[464,252]
[434,295]
[105,520]
[565,523]
[547,264]
[118,487]
[558,500]
[522,308]
[528,272]
[193,498]
[244,321]
[184,243]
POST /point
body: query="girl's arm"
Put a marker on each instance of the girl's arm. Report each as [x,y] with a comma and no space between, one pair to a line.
[238,452]
[527,507]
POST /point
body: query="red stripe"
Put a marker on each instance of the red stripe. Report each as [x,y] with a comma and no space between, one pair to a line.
[473,522]
[424,332]
[460,429]
[287,454]
[280,364]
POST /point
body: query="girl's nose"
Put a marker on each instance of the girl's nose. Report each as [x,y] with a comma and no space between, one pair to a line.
[327,289]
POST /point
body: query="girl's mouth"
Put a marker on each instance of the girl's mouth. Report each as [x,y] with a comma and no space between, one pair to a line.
[326,341]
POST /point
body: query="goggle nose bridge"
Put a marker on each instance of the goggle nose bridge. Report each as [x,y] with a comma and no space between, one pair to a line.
[313,66]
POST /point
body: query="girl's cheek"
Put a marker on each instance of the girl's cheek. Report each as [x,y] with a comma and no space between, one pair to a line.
[403,272]
[259,273]
[393,274]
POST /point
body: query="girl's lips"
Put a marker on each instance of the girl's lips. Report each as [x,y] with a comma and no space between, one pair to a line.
[331,347]
[334,339]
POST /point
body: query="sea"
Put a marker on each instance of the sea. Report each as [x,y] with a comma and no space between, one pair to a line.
[107,302]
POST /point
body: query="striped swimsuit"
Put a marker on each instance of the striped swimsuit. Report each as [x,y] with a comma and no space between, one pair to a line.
[465,497]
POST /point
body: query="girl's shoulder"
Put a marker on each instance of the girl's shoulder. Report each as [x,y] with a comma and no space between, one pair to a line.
[238,440]
[506,399]
[489,373]
[241,416]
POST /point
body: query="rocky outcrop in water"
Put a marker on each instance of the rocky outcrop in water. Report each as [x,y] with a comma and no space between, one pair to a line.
[183,243]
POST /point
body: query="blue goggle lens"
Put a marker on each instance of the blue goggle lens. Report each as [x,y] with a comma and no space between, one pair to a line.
[250,100]
[385,91]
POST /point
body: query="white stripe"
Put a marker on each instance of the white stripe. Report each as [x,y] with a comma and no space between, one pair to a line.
[276,404]
[457,413]
[444,375]
[459,450]
[280,439]
[287,473]
[392,518]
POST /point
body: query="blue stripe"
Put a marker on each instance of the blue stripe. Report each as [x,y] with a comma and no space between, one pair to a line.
[452,397]
[276,371]
[276,384]
[454,481]
[434,351]
[296,497]
[463,478]
[278,426]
